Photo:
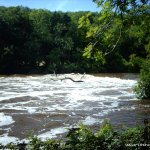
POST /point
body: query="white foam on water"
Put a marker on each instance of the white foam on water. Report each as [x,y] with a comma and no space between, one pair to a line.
[114,104]
[5,139]
[53,133]
[5,120]
[75,94]
[31,110]
[90,121]
[96,96]
[8,97]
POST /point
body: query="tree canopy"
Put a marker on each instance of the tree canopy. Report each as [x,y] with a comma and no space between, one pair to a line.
[40,41]
[122,6]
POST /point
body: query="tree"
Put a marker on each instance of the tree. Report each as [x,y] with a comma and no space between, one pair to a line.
[123,6]
[41,41]
[138,36]
[102,35]
[16,30]
[112,36]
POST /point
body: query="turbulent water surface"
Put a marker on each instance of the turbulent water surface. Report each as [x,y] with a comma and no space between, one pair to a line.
[48,105]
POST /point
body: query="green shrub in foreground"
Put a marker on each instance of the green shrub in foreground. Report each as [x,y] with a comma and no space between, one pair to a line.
[83,138]
[142,90]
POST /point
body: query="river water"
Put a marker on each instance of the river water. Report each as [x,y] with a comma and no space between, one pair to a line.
[48,105]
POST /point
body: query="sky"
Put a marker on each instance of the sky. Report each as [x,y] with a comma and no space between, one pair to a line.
[54,5]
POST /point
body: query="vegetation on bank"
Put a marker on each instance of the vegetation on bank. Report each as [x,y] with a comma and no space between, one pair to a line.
[142,90]
[83,138]
[40,41]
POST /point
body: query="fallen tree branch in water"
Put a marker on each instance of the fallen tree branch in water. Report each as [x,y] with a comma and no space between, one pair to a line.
[71,79]
[67,78]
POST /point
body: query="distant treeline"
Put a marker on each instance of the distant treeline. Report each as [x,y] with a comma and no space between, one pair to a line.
[40,41]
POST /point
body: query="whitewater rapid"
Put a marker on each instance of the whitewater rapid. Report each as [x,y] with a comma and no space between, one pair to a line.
[49,104]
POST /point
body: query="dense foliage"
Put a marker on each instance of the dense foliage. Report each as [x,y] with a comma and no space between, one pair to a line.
[119,44]
[40,41]
[83,138]
[143,88]
[123,6]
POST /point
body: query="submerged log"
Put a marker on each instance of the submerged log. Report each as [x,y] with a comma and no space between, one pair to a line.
[71,79]
[66,79]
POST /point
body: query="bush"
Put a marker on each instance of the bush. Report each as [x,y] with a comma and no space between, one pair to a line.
[134,64]
[81,138]
[142,90]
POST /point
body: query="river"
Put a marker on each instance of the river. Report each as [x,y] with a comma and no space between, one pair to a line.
[48,105]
